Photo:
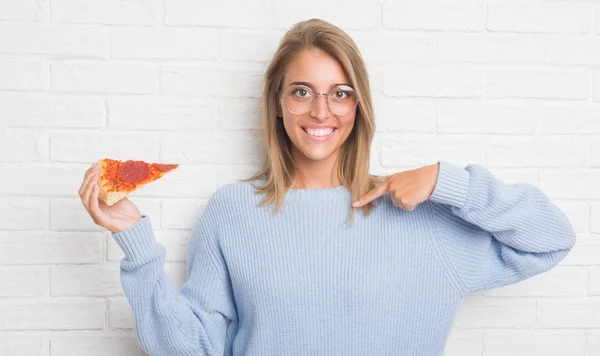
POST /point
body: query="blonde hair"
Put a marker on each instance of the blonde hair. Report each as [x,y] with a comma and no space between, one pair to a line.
[278,169]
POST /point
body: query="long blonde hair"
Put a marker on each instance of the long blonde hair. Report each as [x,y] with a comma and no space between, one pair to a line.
[278,169]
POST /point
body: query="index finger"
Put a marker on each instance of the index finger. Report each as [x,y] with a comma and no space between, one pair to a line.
[375,193]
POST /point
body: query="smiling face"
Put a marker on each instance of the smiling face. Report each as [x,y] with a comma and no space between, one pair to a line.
[318,134]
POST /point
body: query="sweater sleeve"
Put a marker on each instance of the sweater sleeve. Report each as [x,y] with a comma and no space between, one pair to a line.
[490,233]
[192,321]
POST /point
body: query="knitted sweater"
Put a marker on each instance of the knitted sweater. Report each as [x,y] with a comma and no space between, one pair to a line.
[307,282]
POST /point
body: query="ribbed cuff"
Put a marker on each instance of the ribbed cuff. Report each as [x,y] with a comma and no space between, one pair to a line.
[137,241]
[452,185]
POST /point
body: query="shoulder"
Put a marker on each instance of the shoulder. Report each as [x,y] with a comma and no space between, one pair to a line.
[236,194]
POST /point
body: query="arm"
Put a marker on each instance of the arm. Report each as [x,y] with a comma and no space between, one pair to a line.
[192,321]
[492,234]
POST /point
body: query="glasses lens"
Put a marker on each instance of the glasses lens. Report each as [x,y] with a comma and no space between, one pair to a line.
[299,99]
[342,100]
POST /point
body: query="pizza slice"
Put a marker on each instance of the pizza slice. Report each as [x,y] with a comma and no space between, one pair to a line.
[117,178]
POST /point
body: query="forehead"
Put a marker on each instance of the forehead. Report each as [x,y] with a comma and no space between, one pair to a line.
[316,67]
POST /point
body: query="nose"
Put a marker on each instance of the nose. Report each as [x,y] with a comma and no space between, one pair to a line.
[320,109]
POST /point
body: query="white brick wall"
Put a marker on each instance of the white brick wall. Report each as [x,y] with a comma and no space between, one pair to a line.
[515,87]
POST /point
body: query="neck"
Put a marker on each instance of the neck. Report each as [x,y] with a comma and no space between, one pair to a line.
[313,174]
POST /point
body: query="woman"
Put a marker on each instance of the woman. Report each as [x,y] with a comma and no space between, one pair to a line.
[300,279]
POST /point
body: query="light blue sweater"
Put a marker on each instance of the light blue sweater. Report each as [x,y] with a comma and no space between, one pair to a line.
[306,283]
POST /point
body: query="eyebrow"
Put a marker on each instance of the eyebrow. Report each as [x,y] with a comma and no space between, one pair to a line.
[312,87]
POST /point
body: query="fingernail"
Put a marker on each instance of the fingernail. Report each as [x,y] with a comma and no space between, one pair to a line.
[356,203]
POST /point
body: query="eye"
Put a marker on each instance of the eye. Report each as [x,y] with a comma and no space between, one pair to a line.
[300,92]
[341,94]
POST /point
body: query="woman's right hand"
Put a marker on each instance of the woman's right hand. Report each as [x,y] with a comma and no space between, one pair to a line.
[118,217]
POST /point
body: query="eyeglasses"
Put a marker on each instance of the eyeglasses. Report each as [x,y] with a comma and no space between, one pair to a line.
[300,99]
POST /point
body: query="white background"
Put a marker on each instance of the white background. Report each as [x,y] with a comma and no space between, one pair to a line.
[512,85]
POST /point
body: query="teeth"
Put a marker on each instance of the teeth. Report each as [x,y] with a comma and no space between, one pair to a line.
[319,132]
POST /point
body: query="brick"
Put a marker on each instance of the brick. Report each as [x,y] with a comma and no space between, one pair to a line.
[434,81]
[569,119]
[56,314]
[202,81]
[95,344]
[476,312]
[23,213]
[595,153]
[59,180]
[182,214]
[20,75]
[542,18]
[96,77]
[21,10]
[157,112]
[475,117]
[558,282]
[88,147]
[597,86]
[163,43]
[400,115]
[535,342]
[544,84]
[439,16]
[88,281]
[585,252]
[120,315]
[239,114]
[352,15]
[570,183]
[420,150]
[23,345]
[109,12]
[24,248]
[594,281]
[176,243]
[577,212]
[248,46]
[70,214]
[592,338]
[226,13]
[20,144]
[597,19]
[572,50]
[64,40]
[464,343]
[48,110]
[396,48]
[536,152]
[231,174]
[489,48]
[595,217]
[211,147]
[568,313]
[27,281]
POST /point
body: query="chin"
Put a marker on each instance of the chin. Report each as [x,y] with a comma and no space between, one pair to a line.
[316,153]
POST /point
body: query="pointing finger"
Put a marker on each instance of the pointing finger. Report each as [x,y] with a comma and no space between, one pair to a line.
[375,193]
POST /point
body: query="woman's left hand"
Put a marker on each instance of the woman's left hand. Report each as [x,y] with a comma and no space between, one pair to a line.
[407,189]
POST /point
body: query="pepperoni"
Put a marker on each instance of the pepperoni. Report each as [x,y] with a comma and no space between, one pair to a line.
[165,167]
[133,171]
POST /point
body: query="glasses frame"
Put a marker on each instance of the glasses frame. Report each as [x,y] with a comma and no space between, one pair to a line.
[315,98]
